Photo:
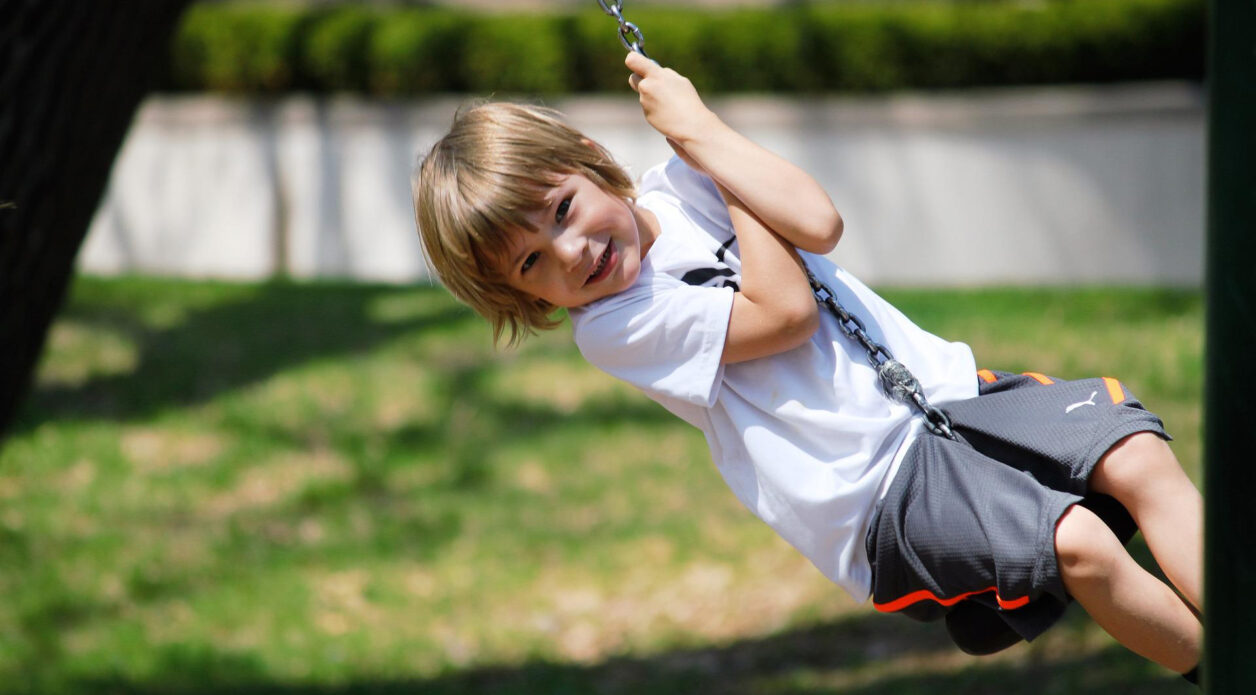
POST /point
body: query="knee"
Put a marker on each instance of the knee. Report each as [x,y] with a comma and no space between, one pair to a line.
[1133,466]
[1084,546]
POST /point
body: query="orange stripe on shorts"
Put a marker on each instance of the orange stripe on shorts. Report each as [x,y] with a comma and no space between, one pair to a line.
[1040,378]
[987,376]
[1114,389]
[926,595]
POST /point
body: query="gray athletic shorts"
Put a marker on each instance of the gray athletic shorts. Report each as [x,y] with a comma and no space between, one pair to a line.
[974,520]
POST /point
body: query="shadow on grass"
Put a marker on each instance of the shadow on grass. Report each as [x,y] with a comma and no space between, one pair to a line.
[266,329]
[865,654]
[231,343]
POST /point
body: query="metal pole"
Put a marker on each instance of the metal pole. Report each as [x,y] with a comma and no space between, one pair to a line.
[1230,381]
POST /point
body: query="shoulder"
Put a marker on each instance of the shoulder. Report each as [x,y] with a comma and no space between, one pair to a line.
[682,184]
[676,177]
[687,203]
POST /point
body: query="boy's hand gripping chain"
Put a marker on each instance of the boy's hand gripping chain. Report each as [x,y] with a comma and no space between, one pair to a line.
[626,28]
[896,380]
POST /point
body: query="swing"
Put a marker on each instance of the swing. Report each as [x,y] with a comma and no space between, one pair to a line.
[974,628]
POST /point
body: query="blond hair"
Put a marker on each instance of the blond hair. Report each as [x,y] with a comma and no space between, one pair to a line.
[480,182]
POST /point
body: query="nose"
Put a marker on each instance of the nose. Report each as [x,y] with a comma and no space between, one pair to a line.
[570,246]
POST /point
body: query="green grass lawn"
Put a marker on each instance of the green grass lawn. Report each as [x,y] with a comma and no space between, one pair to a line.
[332,488]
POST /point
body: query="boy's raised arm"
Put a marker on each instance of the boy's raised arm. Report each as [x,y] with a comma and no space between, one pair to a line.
[775,310]
[784,197]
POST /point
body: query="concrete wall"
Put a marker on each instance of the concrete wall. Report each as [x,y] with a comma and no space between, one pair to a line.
[1042,186]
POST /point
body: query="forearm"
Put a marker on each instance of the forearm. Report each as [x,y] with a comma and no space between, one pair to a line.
[783,196]
[774,310]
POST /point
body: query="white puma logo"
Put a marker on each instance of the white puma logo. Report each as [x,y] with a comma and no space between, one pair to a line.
[1075,406]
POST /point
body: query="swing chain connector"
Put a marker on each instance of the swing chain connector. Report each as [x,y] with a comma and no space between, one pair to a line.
[629,34]
[897,381]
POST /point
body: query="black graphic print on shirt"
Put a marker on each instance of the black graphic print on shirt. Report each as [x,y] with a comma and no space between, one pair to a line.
[719,275]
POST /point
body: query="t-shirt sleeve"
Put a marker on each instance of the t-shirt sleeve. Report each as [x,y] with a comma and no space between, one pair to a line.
[666,340]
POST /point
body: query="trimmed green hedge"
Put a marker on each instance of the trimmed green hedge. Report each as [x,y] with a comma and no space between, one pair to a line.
[401,51]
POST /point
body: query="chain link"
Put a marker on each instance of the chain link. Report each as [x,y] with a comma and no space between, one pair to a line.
[629,35]
[897,381]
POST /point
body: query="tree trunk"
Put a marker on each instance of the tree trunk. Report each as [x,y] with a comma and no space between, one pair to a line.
[71,76]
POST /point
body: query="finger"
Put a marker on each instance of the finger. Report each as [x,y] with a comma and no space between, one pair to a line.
[639,63]
[634,80]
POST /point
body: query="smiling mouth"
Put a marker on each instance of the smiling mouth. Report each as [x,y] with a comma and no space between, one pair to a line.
[603,265]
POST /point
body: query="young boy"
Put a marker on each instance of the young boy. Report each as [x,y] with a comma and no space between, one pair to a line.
[696,291]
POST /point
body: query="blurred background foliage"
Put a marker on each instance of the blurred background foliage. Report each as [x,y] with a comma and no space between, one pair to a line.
[405,50]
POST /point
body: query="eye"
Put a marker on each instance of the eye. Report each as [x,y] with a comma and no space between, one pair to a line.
[529,261]
[563,207]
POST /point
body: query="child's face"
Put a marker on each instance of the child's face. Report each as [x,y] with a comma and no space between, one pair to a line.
[589,245]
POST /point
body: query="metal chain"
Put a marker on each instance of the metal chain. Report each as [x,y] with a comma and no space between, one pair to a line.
[626,28]
[897,381]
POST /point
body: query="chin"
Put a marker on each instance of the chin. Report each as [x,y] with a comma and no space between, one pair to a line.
[630,269]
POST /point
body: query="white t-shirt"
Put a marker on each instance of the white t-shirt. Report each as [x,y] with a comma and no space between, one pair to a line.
[806,439]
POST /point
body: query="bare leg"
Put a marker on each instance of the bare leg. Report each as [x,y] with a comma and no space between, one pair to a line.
[1137,609]
[1144,475]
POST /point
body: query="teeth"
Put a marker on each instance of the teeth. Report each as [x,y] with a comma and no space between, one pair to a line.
[601,262]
